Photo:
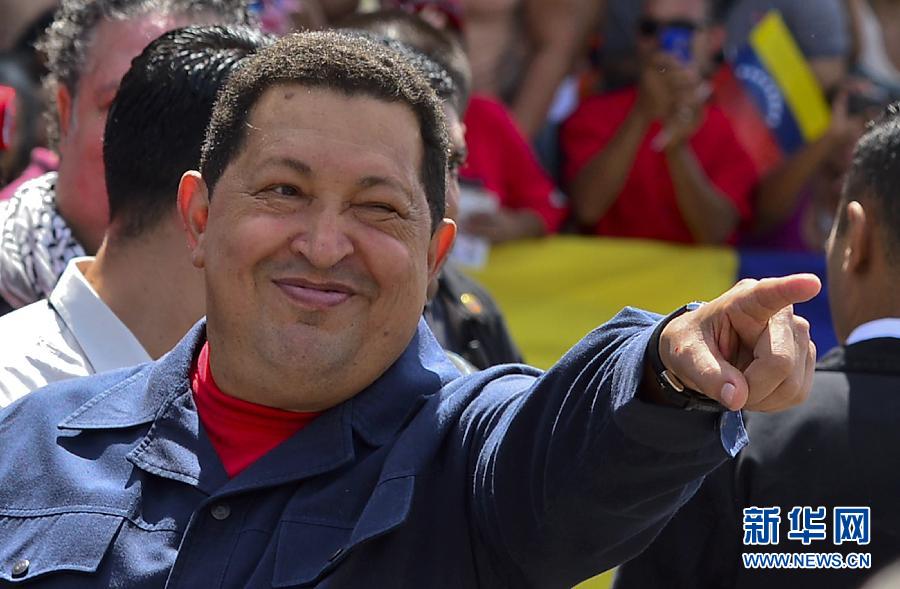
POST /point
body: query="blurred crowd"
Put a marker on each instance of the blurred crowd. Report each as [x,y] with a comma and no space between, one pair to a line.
[585,116]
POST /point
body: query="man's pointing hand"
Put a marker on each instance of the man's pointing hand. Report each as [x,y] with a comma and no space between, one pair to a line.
[746,349]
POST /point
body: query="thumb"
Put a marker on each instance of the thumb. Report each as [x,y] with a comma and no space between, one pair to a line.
[708,373]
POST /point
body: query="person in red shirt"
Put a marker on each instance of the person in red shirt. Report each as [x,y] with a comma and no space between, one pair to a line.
[502,163]
[656,161]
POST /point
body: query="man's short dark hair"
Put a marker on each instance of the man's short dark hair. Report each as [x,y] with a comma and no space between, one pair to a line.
[434,73]
[66,41]
[875,175]
[157,122]
[437,45]
[349,64]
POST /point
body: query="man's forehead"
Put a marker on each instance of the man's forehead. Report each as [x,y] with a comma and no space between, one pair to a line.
[289,120]
[301,105]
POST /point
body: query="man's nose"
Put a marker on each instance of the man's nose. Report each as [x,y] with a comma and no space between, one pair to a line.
[323,239]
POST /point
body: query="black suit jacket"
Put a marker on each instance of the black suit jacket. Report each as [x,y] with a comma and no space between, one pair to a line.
[840,448]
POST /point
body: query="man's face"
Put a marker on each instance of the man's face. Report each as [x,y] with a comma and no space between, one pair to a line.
[663,13]
[317,247]
[82,197]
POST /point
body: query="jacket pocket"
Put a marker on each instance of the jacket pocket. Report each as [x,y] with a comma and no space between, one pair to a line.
[35,545]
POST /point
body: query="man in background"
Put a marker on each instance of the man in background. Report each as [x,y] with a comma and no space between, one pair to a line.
[60,216]
[141,294]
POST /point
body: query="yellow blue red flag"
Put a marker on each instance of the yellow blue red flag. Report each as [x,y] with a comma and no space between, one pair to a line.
[779,80]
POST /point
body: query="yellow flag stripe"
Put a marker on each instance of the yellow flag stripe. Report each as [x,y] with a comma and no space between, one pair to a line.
[555,290]
[779,53]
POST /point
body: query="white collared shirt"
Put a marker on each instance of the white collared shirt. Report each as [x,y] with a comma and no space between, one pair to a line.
[73,333]
[887,327]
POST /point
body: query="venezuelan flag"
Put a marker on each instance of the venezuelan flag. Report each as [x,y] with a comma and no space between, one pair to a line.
[553,291]
[778,79]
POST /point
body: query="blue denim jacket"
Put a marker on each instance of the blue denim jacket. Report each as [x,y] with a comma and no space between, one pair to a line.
[505,478]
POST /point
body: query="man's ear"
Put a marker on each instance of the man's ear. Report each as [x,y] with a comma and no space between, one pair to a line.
[193,207]
[63,109]
[857,245]
[441,244]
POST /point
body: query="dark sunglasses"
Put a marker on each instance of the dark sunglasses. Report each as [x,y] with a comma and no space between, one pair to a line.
[649,27]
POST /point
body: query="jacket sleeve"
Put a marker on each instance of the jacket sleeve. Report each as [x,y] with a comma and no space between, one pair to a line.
[571,474]
[699,547]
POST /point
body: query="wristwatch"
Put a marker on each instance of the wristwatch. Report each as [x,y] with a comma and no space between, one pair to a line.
[672,388]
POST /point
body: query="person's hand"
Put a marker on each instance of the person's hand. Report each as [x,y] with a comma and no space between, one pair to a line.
[503,225]
[655,96]
[685,94]
[746,349]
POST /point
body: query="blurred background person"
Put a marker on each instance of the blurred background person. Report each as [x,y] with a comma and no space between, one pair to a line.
[520,50]
[23,68]
[89,46]
[654,160]
[18,17]
[22,122]
[878,33]
[141,294]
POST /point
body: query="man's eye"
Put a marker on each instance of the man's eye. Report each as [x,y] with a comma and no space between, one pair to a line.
[378,208]
[381,207]
[284,190]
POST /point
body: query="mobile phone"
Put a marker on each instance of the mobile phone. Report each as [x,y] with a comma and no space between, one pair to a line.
[677,40]
[7,116]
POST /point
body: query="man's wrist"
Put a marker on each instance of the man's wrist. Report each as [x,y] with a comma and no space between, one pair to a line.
[661,385]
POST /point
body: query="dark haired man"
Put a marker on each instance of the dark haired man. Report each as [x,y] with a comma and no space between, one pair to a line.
[63,215]
[311,432]
[141,294]
[840,449]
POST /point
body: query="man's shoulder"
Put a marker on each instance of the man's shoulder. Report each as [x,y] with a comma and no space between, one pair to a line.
[37,350]
[839,404]
[44,432]
[35,190]
[48,406]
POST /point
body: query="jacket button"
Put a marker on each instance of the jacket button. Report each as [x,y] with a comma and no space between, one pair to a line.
[220,511]
[20,568]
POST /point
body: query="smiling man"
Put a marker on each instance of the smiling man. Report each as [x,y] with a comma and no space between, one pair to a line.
[311,432]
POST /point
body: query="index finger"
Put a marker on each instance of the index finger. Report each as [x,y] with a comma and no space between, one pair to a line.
[770,295]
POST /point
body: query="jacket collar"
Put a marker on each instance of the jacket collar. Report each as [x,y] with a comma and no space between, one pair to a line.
[140,399]
[175,446]
[880,355]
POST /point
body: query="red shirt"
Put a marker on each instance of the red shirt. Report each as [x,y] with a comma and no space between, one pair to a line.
[240,431]
[501,158]
[647,206]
